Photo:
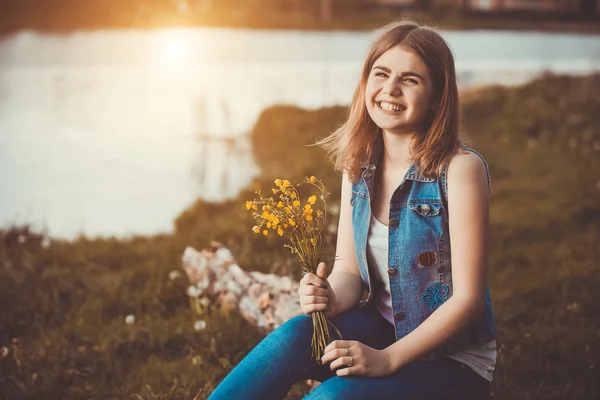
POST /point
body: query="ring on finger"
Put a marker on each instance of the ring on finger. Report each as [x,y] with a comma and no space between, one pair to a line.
[351,361]
[347,351]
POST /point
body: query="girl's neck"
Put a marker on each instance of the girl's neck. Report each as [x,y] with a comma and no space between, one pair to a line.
[396,150]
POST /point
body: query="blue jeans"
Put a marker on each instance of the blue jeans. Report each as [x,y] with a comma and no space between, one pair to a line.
[284,356]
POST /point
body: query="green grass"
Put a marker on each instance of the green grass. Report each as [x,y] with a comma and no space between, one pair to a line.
[65,304]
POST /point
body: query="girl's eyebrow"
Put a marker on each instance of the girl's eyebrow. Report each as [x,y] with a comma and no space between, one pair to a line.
[408,73]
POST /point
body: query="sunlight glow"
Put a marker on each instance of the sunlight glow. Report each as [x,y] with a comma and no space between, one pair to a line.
[172,48]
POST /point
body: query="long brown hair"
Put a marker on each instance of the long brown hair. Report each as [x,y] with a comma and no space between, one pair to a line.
[351,146]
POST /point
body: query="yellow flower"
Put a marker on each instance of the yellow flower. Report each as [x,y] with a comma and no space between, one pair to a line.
[285,183]
[255,229]
[292,222]
[319,213]
[268,224]
[248,205]
[254,206]
[280,204]
[280,231]
[274,191]
[309,218]
[312,199]
[296,203]
[288,209]
[278,182]
[293,195]
[265,232]
[312,179]
[264,208]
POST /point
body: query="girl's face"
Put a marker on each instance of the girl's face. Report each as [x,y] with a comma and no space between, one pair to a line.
[399,91]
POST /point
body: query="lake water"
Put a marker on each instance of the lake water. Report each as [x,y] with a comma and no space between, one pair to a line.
[117,132]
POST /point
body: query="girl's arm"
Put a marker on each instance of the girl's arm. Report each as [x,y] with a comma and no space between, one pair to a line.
[345,280]
[468,210]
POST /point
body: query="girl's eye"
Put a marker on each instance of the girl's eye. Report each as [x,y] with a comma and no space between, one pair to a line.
[380,74]
[412,80]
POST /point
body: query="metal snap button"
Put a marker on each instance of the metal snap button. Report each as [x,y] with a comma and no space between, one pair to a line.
[399,316]
[393,222]
[392,271]
[425,208]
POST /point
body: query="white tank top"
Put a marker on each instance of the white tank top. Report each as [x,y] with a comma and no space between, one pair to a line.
[480,357]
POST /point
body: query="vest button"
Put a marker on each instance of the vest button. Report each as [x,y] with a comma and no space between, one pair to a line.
[441,269]
[399,316]
[425,208]
[392,271]
[393,222]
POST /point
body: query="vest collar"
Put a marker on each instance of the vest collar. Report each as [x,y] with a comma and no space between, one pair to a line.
[412,173]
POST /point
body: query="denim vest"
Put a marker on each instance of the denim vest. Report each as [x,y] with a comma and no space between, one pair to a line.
[419,262]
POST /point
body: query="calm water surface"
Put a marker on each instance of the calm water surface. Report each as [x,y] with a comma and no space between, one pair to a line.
[116,132]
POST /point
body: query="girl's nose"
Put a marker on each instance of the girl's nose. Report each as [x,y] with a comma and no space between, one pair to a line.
[391,89]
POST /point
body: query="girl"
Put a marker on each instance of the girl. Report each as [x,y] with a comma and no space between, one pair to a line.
[413,232]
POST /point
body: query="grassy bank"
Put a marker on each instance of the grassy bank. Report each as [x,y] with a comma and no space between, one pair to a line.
[64,304]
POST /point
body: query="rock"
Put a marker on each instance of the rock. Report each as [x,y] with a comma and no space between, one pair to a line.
[264,300]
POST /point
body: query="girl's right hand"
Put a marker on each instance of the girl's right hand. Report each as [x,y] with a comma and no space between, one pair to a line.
[314,292]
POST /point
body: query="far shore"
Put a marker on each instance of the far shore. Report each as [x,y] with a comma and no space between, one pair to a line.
[72,20]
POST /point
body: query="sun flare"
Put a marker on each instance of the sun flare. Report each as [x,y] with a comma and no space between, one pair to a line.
[172,48]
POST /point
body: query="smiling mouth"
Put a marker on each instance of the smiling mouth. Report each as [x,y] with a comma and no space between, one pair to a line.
[390,107]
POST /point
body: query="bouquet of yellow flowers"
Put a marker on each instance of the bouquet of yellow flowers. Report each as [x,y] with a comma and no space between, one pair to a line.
[288,216]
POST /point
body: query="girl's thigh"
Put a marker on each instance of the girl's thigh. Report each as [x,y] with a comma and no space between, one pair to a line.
[442,379]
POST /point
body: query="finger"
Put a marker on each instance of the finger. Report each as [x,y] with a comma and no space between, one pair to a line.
[315,300]
[339,344]
[314,291]
[309,308]
[347,371]
[343,362]
[333,356]
[322,271]
[312,279]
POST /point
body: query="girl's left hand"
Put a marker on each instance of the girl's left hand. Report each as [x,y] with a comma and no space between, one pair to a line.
[354,358]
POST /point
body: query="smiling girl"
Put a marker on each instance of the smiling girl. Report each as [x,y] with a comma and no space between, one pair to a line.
[413,232]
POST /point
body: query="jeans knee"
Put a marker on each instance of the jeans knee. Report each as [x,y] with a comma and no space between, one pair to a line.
[298,325]
[296,330]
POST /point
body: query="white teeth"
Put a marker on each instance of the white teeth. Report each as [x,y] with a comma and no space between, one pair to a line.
[390,107]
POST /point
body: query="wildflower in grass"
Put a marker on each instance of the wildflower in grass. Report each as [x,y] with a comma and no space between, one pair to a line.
[197,360]
[45,243]
[199,325]
[202,285]
[174,275]
[193,291]
[303,227]
[204,302]
[130,319]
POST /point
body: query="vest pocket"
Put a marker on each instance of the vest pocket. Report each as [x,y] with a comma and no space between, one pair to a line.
[426,230]
[426,208]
